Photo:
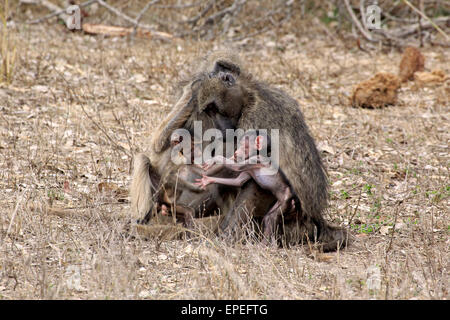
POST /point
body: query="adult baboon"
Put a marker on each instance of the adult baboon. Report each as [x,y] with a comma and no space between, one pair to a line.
[156,177]
[263,107]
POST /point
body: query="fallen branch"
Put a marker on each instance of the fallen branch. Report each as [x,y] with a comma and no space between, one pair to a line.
[115,31]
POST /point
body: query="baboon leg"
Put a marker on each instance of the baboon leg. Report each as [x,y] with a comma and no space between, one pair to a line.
[272,217]
[251,201]
[188,215]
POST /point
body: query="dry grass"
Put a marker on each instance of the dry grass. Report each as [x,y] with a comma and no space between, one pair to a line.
[79,107]
[7,46]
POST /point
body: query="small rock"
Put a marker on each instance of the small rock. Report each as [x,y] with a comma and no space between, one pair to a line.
[162,257]
[384,230]
[144,294]
[400,225]
[40,88]
[138,78]
[373,278]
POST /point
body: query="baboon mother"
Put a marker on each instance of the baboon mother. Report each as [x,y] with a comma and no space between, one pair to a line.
[264,107]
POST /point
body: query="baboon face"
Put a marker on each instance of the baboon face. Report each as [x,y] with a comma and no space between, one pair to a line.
[222,61]
[221,93]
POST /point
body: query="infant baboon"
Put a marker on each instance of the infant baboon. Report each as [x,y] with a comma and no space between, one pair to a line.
[254,166]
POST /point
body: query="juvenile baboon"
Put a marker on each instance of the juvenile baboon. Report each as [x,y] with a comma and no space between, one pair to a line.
[262,107]
[253,166]
[157,178]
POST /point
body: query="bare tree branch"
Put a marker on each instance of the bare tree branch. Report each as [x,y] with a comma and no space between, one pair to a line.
[133,21]
[202,13]
[356,22]
[423,15]
[139,17]
[57,11]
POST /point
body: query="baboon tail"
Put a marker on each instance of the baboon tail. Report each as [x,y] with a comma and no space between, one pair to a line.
[140,191]
[332,237]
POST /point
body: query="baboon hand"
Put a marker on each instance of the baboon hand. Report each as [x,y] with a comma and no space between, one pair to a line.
[203,182]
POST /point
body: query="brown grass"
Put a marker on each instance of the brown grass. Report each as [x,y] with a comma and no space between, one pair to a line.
[80,106]
[7,46]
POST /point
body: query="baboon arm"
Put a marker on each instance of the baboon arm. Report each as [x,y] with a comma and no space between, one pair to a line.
[239,167]
[183,179]
[189,185]
[236,182]
[215,169]
[219,163]
[175,120]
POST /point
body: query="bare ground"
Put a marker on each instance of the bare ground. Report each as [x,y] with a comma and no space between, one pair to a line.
[80,107]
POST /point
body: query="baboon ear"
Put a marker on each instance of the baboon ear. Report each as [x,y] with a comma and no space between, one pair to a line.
[259,141]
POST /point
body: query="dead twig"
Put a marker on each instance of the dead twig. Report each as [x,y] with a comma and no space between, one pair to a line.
[218,15]
[56,11]
[393,229]
[423,15]
[356,23]
[202,13]
[406,31]
[178,6]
